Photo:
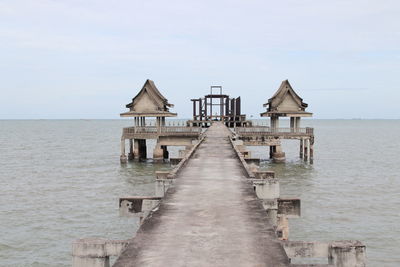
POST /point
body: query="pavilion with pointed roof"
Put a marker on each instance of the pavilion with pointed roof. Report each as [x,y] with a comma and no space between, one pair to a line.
[286,103]
[149,102]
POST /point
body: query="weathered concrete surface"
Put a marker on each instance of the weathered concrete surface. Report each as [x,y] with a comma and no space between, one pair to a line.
[95,252]
[211,217]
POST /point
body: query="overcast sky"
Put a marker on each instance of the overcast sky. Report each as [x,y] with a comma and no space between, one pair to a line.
[87,59]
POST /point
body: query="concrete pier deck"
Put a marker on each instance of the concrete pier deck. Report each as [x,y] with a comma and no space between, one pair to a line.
[211,217]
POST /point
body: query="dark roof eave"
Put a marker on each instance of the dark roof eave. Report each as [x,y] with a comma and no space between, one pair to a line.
[148,114]
[286,113]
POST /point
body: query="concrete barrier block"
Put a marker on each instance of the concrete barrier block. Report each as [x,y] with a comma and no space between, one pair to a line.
[266,188]
[175,161]
[115,247]
[162,174]
[89,247]
[304,249]
[137,205]
[264,174]
[255,161]
[95,252]
[347,253]
[182,153]
[270,204]
[291,207]
[162,186]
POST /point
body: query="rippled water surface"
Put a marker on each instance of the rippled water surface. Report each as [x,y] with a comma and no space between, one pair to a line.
[60,180]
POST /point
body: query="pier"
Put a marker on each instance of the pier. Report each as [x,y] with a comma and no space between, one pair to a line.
[211,217]
[215,207]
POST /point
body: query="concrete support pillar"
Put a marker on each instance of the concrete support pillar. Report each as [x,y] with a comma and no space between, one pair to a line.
[347,253]
[267,188]
[292,124]
[158,124]
[272,215]
[140,149]
[283,227]
[297,123]
[306,149]
[278,155]
[312,150]
[131,153]
[158,152]
[136,148]
[271,151]
[301,148]
[123,157]
[274,123]
[165,152]
[90,252]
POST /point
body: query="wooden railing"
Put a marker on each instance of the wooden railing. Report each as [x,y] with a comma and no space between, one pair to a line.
[167,130]
[266,130]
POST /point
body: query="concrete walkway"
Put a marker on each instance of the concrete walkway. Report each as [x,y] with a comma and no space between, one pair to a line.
[211,217]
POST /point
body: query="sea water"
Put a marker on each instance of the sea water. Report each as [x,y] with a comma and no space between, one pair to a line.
[60,180]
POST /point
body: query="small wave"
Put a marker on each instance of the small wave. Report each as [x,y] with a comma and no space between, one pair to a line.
[6,247]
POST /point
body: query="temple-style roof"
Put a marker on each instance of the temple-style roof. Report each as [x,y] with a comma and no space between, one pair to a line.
[149,102]
[285,102]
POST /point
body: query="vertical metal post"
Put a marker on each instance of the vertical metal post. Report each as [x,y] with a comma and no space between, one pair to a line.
[205,108]
[200,109]
[233,110]
[221,108]
[211,104]
[238,108]
[194,109]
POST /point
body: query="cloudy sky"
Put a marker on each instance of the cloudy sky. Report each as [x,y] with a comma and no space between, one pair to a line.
[87,59]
